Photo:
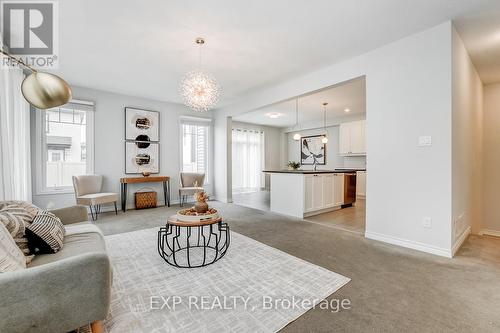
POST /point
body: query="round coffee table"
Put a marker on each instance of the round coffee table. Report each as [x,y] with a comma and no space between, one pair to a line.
[193,244]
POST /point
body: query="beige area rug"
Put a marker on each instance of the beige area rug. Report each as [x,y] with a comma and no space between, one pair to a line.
[254,288]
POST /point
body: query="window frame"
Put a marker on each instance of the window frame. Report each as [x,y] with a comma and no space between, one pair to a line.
[198,121]
[41,153]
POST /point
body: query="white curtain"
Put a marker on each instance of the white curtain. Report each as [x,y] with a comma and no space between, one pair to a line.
[15,169]
[248,159]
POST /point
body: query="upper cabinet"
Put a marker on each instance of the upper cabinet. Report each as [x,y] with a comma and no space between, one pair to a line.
[352,138]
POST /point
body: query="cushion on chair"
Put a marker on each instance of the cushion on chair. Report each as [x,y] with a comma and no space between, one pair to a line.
[190,190]
[97,198]
[45,234]
[11,256]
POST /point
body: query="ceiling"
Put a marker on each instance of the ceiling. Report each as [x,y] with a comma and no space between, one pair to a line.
[142,48]
[350,95]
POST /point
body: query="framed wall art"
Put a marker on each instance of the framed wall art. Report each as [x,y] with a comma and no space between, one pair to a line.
[312,150]
[142,156]
[142,125]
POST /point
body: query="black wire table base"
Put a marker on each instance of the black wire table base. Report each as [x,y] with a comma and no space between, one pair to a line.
[192,247]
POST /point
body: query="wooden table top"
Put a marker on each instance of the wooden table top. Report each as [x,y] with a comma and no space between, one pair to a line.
[142,179]
[174,221]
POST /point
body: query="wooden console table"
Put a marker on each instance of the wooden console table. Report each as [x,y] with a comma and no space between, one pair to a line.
[138,180]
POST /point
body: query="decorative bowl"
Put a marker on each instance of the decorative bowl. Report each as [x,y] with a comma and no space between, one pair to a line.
[196,217]
[146,174]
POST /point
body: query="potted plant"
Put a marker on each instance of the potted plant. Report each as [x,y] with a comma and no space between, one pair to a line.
[293,165]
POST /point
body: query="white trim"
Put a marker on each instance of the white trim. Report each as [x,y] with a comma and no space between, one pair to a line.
[409,244]
[195,119]
[82,102]
[461,240]
[489,232]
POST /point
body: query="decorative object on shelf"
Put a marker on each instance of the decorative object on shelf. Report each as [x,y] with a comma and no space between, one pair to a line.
[42,90]
[199,89]
[146,174]
[142,157]
[293,165]
[201,205]
[324,138]
[312,151]
[142,125]
[296,136]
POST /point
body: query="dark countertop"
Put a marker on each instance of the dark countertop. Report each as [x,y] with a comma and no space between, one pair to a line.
[305,172]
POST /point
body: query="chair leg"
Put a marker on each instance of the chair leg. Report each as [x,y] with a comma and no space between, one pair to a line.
[116,210]
[91,213]
[97,327]
[180,198]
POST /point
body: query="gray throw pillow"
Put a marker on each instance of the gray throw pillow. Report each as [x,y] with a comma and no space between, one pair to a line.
[45,234]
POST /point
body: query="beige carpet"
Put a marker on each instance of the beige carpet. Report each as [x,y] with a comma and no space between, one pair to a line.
[254,288]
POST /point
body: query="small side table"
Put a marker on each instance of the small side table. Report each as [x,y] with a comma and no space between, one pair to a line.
[150,179]
[193,244]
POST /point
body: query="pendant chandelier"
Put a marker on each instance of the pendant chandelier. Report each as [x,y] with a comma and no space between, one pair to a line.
[324,138]
[296,136]
[199,89]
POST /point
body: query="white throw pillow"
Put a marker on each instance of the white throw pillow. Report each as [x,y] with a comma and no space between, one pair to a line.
[11,256]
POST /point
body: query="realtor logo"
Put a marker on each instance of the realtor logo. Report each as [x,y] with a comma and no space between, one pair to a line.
[29,29]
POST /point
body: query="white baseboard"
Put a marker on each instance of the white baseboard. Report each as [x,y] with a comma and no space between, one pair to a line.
[489,232]
[461,240]
[409,244]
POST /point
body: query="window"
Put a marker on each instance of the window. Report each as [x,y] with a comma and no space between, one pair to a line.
[248,159]
[195,141]
[66,139]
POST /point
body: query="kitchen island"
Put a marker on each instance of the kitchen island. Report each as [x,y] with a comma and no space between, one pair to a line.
[303,193]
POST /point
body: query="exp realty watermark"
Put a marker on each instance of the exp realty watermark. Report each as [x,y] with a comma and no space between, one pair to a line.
[30,31]
[208,303]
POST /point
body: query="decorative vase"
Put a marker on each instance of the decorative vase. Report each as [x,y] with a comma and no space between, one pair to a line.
[201,207]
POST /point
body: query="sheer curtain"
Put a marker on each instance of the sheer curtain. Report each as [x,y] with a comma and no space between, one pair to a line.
[248,159]
[15,170]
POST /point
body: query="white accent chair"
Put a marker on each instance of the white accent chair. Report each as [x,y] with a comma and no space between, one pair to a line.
[88,192]
[190,184]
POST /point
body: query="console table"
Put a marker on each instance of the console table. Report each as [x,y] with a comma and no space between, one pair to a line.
[138,180]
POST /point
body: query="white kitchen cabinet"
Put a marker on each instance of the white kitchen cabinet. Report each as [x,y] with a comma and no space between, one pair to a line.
[361,184]
[352,138]
[328,191]
[304,195]
[318,192]
[308,193]
[338,189]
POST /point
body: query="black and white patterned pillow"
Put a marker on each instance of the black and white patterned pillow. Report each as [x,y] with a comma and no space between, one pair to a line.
[45,234]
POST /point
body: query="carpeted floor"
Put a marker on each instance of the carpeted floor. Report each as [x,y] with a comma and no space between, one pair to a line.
[392,289]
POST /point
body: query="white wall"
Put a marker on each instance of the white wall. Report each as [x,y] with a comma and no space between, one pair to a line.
[491,160]
[110,147]
[467,129]
[409,94]
[272,146]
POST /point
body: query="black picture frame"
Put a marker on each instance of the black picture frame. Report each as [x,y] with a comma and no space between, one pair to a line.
[306,153]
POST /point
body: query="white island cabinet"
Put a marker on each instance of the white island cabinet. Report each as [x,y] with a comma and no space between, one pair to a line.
[306,194]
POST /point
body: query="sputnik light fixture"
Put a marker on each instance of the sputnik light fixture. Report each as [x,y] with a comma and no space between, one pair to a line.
[42,90]
[324,137]
[199,89]
[297,135]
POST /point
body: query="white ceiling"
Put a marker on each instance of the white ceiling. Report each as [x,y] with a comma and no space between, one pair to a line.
[351,95]
[143,48]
